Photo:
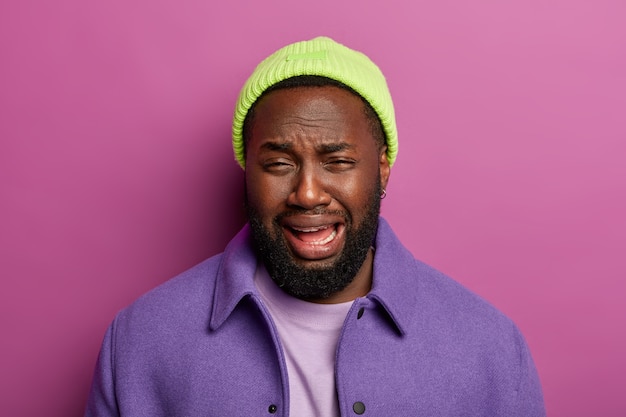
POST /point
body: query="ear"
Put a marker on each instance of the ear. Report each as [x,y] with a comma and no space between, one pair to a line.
[383,166]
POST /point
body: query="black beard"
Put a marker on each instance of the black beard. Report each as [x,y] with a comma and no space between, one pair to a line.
[308,283]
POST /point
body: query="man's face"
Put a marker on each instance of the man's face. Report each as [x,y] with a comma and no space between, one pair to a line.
[314,174]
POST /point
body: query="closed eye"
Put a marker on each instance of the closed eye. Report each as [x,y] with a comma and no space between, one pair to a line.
[277,165]
[340,164]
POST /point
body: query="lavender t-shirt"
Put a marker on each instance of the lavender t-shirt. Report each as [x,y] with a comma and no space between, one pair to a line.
[309,333]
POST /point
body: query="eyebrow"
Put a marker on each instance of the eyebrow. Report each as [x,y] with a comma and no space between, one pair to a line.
[276,146]
[335,147]
[323,148]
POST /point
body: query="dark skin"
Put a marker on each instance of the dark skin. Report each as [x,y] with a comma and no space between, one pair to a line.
[311,161]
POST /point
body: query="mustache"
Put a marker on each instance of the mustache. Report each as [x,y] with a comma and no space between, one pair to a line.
[314,212]
[253,213]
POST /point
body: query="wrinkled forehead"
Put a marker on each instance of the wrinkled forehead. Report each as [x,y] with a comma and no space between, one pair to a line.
[307,111]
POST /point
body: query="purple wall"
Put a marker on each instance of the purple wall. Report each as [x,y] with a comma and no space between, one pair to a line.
[116,170]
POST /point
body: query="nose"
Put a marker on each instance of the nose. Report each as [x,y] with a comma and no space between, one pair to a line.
[309,191]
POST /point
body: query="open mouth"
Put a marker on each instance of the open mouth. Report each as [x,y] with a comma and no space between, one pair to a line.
[319,235]
[314,241]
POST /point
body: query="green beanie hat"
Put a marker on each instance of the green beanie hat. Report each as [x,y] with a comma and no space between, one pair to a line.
[323,57]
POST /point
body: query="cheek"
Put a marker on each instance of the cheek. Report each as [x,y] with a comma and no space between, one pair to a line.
[358,189]
[265,194]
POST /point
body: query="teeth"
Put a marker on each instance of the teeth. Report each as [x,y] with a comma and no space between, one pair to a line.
[314,229]
[310,229]
[328,239]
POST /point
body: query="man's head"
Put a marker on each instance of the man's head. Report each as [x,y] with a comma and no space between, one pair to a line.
[316,163]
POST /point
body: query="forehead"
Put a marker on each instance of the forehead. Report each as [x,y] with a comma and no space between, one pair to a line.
[321,109]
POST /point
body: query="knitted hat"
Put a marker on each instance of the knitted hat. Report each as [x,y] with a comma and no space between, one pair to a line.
[323,57]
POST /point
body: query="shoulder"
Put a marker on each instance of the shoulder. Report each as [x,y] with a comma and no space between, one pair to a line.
[179,299]
[190,299]
[440,292]
[194,291]
[448,302]
[427,302]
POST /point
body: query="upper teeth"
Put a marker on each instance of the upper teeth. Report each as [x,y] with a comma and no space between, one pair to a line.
[310,229]
[313,229]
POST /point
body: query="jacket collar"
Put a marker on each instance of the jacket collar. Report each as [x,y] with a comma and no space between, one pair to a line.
[235,277]
[394,275]
[393,268]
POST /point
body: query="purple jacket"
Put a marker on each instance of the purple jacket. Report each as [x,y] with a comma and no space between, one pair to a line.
[419,344]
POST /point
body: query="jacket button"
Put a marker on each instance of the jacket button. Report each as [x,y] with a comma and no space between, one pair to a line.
[358,407]
[272,409]
[360,313]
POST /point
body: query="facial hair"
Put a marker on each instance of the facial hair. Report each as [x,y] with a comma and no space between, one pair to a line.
[315,283]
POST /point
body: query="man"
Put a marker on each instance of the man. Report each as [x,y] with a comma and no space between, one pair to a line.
[315,308]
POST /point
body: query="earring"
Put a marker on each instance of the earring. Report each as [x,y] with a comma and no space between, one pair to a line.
[384,194]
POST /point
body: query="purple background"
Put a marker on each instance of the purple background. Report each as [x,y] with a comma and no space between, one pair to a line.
[116,170]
